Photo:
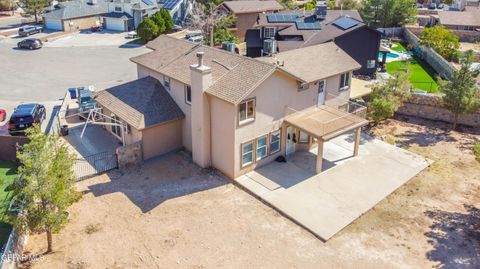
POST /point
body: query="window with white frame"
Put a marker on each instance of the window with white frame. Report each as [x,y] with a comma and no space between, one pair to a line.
[371,64]
[269,32]
[188,94]
[262,147]
[166,82]
[274,142]
[345,81]
[247,153]
[246,111]
[303,139]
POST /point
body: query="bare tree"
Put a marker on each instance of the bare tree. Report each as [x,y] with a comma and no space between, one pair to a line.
[203,17]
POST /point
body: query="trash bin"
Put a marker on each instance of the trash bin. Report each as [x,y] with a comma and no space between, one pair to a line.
[64,130]
[73,93]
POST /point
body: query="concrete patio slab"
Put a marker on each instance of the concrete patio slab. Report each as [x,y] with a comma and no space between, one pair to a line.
[349,186]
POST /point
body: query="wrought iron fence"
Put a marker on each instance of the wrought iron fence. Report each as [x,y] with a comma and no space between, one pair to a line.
[95,164]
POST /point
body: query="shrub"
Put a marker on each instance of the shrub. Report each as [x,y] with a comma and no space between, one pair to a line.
[159,21]
[380,108]
[147,30]
[476,151]
[167,18]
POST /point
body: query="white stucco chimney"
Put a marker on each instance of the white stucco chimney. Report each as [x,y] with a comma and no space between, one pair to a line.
[200,80]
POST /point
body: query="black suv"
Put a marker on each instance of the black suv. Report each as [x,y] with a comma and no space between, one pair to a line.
[30,43]
[24,116]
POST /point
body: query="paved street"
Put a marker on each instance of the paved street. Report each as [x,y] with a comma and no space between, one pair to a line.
[44,75]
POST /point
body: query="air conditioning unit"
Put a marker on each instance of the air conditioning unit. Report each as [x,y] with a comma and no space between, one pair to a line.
[228,46]
[269,46]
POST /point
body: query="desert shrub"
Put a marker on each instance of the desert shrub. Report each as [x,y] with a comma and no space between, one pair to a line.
[476,151]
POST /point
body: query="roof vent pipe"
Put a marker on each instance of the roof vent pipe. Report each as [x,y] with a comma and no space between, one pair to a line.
[200,58]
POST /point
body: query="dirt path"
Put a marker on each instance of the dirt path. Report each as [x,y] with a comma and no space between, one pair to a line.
[173,215]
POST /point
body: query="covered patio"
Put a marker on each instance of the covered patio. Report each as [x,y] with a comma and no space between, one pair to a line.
[324,123]
[348,187]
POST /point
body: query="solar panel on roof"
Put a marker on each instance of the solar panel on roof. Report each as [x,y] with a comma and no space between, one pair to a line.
[148,2]
[308,25]
[345,23]
[282,18]
[169,4]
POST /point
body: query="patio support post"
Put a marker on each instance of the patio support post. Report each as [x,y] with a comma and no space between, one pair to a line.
[358,133]
[318,169]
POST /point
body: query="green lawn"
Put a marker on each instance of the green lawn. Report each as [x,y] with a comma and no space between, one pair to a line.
[397,46]
[422,76]
[7,174]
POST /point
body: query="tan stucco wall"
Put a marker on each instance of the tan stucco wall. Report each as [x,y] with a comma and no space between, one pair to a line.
[275,98]
[223,135]
[130,138]
[177,91]
[81,23]
[161,139]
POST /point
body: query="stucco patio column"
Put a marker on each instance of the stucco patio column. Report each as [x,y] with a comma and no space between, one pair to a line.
[318,169]
[358,134]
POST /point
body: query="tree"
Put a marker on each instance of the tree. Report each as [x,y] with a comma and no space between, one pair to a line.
[461,94]
[147,30]
[344,4]
[388,97]
[33,7]
[159,22]
[388,13]
[203,16]
[221,30]
[46,186]
[441,40]
[167,18]
[6,4]
[287,4]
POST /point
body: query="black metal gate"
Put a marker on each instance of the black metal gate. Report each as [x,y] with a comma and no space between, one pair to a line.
[95,164]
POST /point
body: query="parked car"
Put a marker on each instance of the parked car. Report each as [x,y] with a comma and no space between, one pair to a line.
[85,101]
[132,35]
[193,34]
[432,6]
[96,28]
[198,39]
[29,30]
[25,116]
[3,115]
[30,43]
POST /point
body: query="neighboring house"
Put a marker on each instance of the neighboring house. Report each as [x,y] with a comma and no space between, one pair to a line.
[179,9]
[232,112]
[468,20]
[115,15]
[75,15]
[246,13]
[288,30]
[126,15]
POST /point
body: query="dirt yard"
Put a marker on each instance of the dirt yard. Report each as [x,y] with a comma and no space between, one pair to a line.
[170,214]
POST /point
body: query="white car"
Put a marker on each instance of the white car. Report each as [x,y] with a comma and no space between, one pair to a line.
[196,39]
[132,34]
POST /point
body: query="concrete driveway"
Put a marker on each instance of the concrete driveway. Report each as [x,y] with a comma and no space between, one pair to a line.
[88,39]
[350,186]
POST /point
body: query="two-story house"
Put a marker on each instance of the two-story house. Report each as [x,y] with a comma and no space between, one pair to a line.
[234,113]
[293,29]
[246,13]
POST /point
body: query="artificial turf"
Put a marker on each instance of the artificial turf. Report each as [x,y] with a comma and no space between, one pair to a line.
[397,46]
[8,173]
[422,76]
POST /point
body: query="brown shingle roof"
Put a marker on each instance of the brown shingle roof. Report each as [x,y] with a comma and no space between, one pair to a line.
[141,103]
[315,62]
[463,18]
[253,6]
[233,76]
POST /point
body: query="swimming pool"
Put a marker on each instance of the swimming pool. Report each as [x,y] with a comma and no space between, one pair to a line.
[389,55]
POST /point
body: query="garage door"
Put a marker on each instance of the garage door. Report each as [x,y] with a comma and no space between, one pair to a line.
[115,24]
[54,24]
